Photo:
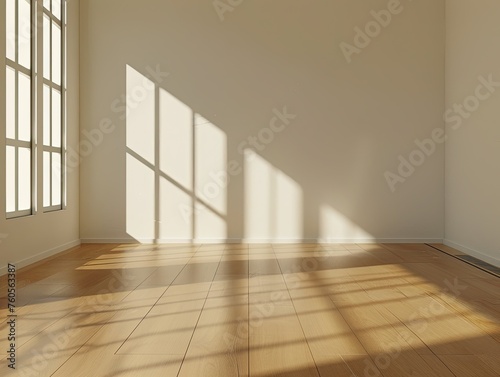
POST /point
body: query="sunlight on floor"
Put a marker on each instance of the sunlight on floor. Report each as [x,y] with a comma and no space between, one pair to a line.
[288,310]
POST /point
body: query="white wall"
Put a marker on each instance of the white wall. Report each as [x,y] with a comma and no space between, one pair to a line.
[322,177]
[29,239]
[473,147]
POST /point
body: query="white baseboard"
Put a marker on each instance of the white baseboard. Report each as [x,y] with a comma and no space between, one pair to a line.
[261,240]
[473,253]
[38,257]
[381,240]
[110,240]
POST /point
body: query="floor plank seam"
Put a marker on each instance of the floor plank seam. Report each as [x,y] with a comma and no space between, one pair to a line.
[296,314]
[201,312]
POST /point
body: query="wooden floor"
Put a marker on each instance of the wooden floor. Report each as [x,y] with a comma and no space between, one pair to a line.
[255,310]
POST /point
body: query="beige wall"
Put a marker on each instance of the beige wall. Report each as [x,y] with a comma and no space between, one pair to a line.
[322,177]
[473,147]
[29,239]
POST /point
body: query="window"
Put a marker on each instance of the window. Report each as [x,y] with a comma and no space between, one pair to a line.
[19,93]
[52,105]
[30,23]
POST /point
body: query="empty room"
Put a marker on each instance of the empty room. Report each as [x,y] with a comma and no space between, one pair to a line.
[226,188]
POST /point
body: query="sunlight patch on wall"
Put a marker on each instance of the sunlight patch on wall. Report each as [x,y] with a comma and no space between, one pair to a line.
[140,177]
[175,167]
[140,115]
[273,202]
[176,139]
[211,179]
[336,227]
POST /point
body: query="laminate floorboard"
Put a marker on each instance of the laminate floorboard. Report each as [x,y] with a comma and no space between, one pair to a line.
[254,310]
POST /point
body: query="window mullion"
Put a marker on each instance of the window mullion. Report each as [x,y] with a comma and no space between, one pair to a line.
[18,67]
[16,101]
[16,31]
[63,104]
[53,85]
[51,149]
[18,143]
[50,125]
[51,16]
[50,179]
[16,179]
[34,104]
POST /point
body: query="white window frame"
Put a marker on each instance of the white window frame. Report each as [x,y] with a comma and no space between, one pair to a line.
[61,88]
[16,143]
[37,81]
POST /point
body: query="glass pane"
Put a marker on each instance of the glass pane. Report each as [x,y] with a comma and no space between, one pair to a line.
[24,188]
[24,106]
[10,103]
[11,179]
[10,18]
[46,4]
[56,118]
[56,8]
[56,179]
[46,47]
[46,115]
[46,179]
[56,53]
[24,33]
